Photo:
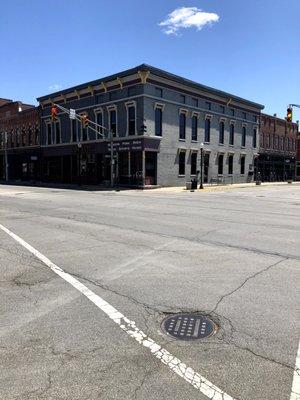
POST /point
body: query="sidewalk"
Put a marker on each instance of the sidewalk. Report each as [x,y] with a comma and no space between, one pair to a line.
[209,188]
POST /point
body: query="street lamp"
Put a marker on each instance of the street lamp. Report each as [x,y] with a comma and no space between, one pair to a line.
[201,166]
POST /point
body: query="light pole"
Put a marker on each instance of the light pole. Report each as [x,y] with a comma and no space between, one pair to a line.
[201,166]
[79,145]
[5,156]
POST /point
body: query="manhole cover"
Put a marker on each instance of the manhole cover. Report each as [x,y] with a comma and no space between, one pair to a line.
[188,326]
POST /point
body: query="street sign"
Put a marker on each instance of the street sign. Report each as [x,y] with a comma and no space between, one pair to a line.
[72,113]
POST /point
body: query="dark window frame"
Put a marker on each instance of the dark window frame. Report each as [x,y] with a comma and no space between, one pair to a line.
[231,135]
[207,130]
[194,136]
[221,132]
[158,121]
[182,126]
[181,163]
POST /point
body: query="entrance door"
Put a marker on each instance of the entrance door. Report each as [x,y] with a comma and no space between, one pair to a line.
[150,168]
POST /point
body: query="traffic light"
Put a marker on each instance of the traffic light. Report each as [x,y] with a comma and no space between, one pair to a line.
[144,128]
[289,114]
[54,112]
[84,121]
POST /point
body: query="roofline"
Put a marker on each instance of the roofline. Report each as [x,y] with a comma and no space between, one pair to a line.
[158,72]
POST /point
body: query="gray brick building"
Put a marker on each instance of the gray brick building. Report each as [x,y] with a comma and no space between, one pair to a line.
[159,122]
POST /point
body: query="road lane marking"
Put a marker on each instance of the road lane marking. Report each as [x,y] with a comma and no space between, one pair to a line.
[200,383]
[295,395]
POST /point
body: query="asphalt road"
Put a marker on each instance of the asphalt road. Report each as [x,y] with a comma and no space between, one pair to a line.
[231,254]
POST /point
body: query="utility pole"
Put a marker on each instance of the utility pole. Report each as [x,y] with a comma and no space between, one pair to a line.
[5,156]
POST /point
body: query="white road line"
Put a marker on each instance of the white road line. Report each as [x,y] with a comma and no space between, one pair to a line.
[295,395]
[178,367]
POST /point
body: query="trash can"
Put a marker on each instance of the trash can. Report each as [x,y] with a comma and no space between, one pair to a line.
[188,185]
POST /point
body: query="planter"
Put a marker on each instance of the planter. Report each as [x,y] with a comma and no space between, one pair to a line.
[258,183]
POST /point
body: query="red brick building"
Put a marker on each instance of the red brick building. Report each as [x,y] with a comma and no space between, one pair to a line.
[277,150]
[19,140]
[298,159]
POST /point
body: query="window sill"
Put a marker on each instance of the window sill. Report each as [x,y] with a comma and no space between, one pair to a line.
[221,144]
[194,141]
[231,145]
[181,176]
[206,142]
[181,140]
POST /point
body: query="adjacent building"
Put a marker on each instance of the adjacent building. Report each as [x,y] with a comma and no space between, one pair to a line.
[277,150]
[19,141]
[161,126]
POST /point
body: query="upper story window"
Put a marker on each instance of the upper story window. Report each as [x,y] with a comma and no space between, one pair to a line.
[99,121]
[222,109]
[112,112]
[158,92]
[49,132]
[208,105]
[73,130]
[23,136]
[231,134]
[207,130]
[255,118]
[57,132]
[182,98]
[131,91]
[254,138]
[195,102]
[232,111]
[131,119]
[244,115]
[158,109]
[182,125]
[194,127]
[29,136]
[221,132]
[244,132]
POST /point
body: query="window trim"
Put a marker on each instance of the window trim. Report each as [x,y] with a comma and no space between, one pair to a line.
[179,152]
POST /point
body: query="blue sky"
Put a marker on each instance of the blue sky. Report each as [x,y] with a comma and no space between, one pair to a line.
[250,48]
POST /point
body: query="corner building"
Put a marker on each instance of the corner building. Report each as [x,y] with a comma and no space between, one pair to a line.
[160,122]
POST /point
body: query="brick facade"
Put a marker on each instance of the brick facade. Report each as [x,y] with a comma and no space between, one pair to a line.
[278,145]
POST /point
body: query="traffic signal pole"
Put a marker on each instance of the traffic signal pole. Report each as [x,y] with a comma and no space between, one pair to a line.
[96,125]
[5,156]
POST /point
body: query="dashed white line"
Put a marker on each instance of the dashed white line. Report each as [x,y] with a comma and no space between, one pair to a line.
[178,367]
[295,395]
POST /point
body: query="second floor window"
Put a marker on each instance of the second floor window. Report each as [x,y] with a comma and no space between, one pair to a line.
[158,121]
[49,133]
[194,127]
[73,130]
[243,136]
[207,130]
[131,120]
[254,138]
[182,126]
[113,121]
[99,121]
[57,132]
[231,134]
[221,132]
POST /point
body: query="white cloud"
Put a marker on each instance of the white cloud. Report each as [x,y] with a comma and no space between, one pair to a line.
[187,17]
[55,86]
